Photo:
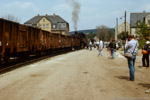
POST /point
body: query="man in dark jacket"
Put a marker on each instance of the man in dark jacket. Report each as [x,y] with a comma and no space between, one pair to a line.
[112,46]
[146,56]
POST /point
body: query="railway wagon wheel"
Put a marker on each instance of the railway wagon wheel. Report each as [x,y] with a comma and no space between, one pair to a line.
[26,54]
[0,59]
[6,57]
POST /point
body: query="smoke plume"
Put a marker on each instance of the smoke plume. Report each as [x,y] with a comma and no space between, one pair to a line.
[75,13]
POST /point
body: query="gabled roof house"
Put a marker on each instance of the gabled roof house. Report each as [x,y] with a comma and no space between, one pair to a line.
[53,23]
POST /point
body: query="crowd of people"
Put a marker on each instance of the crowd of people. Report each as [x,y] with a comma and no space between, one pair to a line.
[111,47]
[131,47]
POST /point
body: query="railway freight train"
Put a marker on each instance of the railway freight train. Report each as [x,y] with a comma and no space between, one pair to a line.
[21,41]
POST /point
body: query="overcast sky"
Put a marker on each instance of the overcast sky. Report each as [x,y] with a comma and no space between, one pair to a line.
[92,12]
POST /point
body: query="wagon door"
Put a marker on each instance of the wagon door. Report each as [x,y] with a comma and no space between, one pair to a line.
[7,35]
[57,40]
[40,40]
[22,39]
[51,40]
[69,41]
[1,31]
[48,40]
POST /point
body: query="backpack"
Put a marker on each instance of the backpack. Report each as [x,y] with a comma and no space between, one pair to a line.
[113,45]
[148,47]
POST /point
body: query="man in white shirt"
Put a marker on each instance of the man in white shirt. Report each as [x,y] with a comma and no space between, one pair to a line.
[90,45]
[100,48]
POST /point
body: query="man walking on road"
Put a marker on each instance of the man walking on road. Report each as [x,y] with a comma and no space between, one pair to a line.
[90,45]
[112,46]
[100,47]
[131,47]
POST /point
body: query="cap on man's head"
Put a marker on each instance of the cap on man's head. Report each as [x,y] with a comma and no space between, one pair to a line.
[113,39]
[131,36]
[147,38]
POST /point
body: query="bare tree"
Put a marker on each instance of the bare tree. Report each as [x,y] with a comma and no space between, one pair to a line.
[11,17]
[103,32]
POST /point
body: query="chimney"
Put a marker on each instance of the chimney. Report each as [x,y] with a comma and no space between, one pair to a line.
[46,14]
[144,11]
[54,15]
[38,15]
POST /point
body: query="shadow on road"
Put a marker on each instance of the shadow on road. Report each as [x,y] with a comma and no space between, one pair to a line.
[122,77]
[144,85]
[140,66]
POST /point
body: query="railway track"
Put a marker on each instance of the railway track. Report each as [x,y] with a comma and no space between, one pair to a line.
[6,67]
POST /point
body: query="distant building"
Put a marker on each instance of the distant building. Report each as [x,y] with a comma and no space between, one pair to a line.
[136,18]
[121,28]
[52,23]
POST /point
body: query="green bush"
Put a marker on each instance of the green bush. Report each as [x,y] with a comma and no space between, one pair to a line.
[141,44]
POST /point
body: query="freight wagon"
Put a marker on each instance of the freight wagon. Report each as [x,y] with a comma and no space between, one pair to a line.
[21,41]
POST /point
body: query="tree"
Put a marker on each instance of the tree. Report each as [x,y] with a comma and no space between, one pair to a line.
[142,32]
[142,29]
[104,33]
[11,17]
[122,35]
[91,35]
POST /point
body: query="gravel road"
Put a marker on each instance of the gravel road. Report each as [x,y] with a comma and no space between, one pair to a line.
[78,75]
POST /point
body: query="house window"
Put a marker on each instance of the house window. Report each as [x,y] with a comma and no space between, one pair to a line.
[122,28]
[138,23]
[43,25]
[62,26]
[54,26]
[148,22]
[43,20]
[40,26]
[46,25]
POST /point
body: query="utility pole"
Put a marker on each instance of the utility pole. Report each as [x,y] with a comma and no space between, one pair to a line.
[116,29]
[125,23]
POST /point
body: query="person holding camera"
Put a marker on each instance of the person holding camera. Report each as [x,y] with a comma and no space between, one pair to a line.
[131,46]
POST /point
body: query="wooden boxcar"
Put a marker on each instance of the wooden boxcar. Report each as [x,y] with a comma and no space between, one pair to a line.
[18,40]
[8,35]
[14,39]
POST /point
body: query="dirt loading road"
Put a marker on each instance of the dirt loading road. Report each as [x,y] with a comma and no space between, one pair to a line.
[79,75]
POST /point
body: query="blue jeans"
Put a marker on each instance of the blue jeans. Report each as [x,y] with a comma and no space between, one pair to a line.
[112,52]
[100,52]
[90,47]
[131,63]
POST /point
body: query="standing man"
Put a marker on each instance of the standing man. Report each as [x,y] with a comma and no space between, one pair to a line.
[112,46]
[131,47]
[100,47]
[87,46]
[90,45]
[146,56]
